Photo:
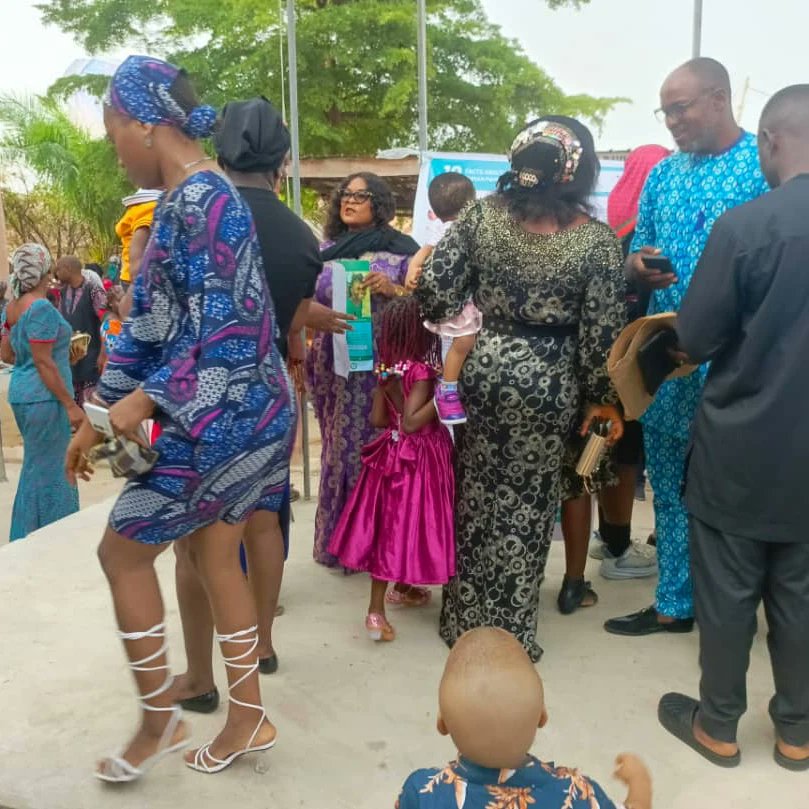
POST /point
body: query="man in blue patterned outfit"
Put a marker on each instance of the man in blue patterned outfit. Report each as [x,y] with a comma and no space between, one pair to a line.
[716,169]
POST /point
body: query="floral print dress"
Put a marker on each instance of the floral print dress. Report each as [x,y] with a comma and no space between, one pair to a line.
[536,785]
[552,306]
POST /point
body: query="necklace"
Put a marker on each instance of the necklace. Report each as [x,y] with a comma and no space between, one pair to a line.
[189,166]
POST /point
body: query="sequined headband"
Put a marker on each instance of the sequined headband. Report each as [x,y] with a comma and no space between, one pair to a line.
[556,135]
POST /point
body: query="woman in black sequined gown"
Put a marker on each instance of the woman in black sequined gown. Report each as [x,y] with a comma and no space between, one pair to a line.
[549,282]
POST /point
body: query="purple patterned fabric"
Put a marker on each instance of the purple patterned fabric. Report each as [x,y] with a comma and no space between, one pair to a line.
[200,342]
[342,407]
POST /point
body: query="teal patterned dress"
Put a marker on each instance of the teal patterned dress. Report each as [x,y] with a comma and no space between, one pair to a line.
[43,495]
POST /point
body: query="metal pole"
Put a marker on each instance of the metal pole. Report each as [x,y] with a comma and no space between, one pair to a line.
[422,54]
[3,477]
[292,57]
[697,43]
[294,127]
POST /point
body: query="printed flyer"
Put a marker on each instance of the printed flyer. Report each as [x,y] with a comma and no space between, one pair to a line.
[353,351]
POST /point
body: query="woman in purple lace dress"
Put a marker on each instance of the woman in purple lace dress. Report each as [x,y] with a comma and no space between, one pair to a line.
[357,228]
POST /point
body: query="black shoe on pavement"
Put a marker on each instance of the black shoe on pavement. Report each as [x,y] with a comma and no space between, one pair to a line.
[575,593]
[268,665]
[645,623]
[677,713]
[204,703]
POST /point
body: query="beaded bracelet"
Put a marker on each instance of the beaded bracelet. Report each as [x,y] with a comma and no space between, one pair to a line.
[384,373]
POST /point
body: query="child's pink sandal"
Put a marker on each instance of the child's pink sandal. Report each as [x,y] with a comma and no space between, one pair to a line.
[378,628]
[414,597]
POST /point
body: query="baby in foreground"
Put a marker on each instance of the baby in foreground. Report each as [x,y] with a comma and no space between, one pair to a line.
[491,702]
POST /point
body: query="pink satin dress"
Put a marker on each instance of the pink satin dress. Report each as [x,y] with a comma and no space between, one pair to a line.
[399,524]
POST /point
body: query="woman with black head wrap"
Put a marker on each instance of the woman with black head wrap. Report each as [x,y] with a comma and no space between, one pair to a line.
[252,144]
[548,280]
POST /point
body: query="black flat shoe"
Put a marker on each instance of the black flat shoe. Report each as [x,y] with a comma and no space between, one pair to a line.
[645,623]
[573,594]
[268,665]
[677,712]
[204,703]
[791,764]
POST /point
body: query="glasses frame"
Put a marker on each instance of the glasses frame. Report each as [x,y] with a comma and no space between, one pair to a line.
[360,197]
[678,109]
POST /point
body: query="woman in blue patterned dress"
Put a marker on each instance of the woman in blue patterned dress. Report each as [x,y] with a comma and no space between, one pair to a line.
[198,354]
[36,339]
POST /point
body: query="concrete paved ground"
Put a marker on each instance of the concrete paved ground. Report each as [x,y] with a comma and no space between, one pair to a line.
[354,718]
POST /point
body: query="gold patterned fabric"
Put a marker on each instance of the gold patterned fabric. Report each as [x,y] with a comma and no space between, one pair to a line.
[552,306]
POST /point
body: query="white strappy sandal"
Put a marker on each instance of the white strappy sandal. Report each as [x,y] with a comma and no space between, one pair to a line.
[117,770]
[203,760]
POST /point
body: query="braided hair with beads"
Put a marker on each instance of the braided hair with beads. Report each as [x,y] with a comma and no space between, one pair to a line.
[402,336]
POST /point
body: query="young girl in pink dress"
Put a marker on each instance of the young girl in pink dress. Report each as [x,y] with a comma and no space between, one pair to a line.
[398,524]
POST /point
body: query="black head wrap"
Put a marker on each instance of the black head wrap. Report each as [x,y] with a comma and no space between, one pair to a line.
[252,137]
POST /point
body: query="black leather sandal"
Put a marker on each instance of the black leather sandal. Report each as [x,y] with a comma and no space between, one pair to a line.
[677,713]
[204,703]
[268,665]
[573,595]
[792,764]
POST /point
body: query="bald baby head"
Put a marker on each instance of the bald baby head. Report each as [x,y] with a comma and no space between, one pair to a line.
[783,135]
[491,699]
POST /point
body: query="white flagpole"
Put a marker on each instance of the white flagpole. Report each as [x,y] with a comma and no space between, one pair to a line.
[697,41]
[422,67]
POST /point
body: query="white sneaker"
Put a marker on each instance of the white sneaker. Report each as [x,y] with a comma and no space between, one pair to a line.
[598,548]
[639,561]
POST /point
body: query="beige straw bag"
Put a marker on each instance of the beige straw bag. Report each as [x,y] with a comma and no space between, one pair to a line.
[623,367]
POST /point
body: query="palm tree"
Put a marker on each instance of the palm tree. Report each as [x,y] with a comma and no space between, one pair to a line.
[65,162]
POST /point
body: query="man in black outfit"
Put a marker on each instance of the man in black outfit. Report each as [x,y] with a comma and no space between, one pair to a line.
[747,311]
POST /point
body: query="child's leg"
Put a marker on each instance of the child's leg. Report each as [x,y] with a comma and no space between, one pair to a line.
[447,403]
[456,356]
[377,604]
[376,624]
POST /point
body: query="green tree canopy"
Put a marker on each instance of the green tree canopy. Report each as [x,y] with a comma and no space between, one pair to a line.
[71,173]
[357,65]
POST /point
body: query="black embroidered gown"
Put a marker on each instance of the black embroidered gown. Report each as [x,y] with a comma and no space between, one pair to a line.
[552,307]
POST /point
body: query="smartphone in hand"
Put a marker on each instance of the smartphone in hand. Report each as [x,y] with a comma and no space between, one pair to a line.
[99,417]
[659,263]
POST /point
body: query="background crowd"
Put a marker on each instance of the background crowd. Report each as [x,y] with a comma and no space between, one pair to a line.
[224,282]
